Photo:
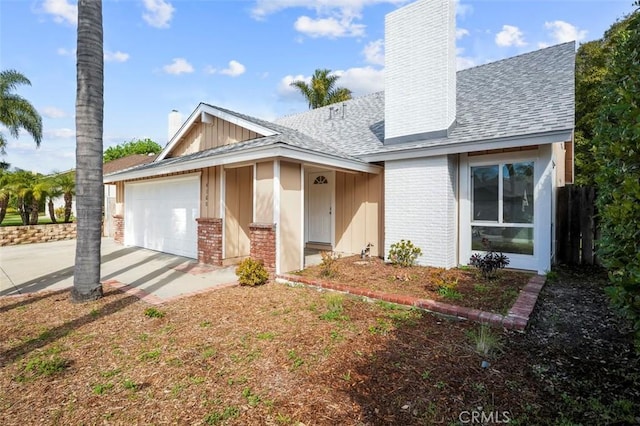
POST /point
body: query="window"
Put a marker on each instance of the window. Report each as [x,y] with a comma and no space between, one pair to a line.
[320,180]
[502,207]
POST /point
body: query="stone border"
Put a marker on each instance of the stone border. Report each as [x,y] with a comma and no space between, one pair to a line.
[516,319]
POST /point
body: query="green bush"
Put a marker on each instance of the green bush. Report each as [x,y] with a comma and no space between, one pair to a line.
[617,152]
[251,272]
[404,253]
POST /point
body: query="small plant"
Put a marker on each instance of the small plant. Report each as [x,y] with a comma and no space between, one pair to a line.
[334,308]
[251,272]
[293,356]
[252,398]
[130,385]
[218,417]
[404,253]
[448,289]
[151,355]
[267,335]
[100,388]
[490,262]
[485,340]
[329,264]
[552,276]
[154,313]
[43,367]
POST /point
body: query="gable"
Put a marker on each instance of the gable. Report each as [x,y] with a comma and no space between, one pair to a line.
[212,134]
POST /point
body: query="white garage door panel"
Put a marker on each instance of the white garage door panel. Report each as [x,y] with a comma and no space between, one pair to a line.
[161,215]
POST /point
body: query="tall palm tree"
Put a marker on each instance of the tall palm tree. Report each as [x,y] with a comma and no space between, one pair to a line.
[322,91]
[89,126]
[66,183]
[15,111]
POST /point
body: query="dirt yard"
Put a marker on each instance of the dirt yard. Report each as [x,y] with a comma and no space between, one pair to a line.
[279,355]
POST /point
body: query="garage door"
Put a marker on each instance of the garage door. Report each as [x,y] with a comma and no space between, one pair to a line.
[161,215]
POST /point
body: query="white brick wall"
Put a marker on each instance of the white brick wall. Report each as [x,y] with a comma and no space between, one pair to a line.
[420,68]
[420,205]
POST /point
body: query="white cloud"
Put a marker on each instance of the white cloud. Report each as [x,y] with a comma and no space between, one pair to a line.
[562,32]
[62,11]
[286,91]
[158,13]
[361,81]
[234,69]
[510,36]
[464,62]
[333,18]
[210,70]
[66,52]
[329,27]
[374,52]
[116,56]
[461,32]
[62,133]
[463,10]
[178,66]
[53,112]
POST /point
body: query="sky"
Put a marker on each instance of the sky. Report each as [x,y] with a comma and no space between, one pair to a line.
[162,55]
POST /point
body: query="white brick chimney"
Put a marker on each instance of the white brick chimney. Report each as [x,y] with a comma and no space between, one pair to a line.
[420,71]
[175,122]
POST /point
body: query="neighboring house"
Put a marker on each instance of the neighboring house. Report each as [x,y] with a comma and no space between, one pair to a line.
[441,158]
[115,166]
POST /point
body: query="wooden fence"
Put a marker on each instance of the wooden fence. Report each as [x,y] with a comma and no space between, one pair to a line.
[576,227]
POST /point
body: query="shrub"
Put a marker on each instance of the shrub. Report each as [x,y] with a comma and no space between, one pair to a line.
[154,313]
[329,265]
[251,272]
[489,262]
[404,253]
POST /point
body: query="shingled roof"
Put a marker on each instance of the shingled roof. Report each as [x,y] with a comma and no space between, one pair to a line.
[524,95]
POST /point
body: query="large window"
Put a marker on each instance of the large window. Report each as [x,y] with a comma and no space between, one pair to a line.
[502,207]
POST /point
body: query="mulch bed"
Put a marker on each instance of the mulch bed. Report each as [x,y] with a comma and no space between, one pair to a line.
[279,355]
[494,295]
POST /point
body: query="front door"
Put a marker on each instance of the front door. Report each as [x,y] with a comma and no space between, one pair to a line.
[319,213]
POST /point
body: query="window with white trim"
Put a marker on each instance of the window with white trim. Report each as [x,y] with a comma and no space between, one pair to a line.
[502,211]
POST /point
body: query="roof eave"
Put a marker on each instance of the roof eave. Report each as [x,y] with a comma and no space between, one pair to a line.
[279,150]
[474,145]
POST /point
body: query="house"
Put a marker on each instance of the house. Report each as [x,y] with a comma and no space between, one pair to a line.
[446,159]
[111,167]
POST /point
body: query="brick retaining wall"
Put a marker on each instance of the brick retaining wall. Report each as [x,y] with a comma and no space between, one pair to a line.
[14,235]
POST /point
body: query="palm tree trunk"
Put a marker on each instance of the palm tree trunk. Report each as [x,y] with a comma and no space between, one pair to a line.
[34,211]
[89,126]
[52,211]
[4,201]
[67,207]
[22,210]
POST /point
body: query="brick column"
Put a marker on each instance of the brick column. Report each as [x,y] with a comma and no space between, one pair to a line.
[210,241]
[263,244]
[118,228]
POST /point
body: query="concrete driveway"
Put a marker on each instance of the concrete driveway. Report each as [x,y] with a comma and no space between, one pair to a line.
[155,277]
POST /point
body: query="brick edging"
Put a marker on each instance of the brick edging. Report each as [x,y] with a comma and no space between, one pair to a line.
[516,319]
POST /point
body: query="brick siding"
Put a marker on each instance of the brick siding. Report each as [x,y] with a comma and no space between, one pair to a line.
[118,228]
[263,244]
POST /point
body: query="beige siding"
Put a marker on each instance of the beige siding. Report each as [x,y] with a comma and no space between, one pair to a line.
[238,211]
[264,192]
[210,192]
[205,136]
[359,208]
[291,250]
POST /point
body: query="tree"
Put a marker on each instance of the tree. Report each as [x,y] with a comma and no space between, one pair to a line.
[140,146]
[66,183]
[4,193]
[89,128]
[617,152]
[322,91]
[15,111]
[28,192]
[591,71]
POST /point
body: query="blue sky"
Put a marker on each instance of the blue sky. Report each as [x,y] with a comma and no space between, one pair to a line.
[172,54]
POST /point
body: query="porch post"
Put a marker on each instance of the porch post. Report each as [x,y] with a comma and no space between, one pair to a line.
[210,241]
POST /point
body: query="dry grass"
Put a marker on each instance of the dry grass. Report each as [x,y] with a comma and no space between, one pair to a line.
[268,355]
[464,287]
